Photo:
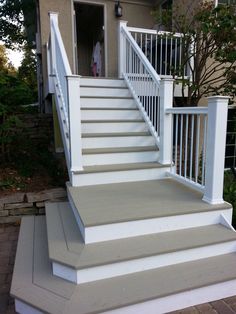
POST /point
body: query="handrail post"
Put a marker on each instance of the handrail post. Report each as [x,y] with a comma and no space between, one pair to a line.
[73,83]
[53,20]
[121,49]
[215,150]
[166,121]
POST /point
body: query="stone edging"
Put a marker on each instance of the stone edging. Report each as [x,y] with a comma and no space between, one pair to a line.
[16,205]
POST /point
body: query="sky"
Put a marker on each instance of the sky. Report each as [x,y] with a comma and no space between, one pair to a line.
[15,57]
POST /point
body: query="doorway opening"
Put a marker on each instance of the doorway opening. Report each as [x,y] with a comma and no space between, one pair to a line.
[89,37]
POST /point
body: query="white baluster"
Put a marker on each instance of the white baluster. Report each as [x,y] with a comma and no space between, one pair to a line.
[121,49]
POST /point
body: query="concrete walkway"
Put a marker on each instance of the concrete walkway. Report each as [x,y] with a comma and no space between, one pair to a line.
[8,244]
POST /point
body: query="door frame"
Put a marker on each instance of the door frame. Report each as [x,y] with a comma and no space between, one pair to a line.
[74,34]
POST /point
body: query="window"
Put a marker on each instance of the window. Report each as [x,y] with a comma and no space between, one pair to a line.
[225,2]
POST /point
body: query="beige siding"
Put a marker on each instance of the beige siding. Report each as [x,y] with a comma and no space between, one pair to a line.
[136,12]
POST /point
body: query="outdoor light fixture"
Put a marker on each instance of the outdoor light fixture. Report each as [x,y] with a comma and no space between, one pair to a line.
[118,9]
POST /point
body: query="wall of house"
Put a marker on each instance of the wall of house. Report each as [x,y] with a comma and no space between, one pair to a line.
[136,12]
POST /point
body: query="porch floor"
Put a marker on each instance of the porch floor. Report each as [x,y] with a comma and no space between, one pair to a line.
[122,202]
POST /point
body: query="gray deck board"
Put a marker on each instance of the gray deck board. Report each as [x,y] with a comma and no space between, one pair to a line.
[66,245]
[107,294]
[120,202]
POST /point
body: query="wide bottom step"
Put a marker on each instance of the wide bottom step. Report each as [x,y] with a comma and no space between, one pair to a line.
[155,291]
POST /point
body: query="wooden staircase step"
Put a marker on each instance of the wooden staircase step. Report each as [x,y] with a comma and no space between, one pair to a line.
[121,134]
[119,150]
[154,291]
[73,260]
[122,210]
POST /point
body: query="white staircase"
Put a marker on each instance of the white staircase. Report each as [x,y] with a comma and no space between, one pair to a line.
[117,145]
[131,239]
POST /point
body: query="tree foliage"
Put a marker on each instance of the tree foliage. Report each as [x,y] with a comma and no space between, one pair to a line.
[208,48]
[17,22]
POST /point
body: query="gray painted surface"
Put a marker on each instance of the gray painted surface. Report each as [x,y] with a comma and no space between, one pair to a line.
[66,245]
[34,284]
[120,202]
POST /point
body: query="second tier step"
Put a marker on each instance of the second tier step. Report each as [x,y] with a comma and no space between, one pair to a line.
[80,263]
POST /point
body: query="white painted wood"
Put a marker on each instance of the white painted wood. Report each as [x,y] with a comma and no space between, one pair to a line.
[121,49]
[215,151]
[113,127]
[119,158]
[186,181]
[104,92]
[166,121]
[24,308]
[107,114]
[181,300]
[91,274]
[119,176]
[75,123]
[116,141]
[156,225]
[102,82]
[187,110]
[107,103]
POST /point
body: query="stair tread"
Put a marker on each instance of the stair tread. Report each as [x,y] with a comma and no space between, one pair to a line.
[121,134]
[122,202]
[34,284]
[113,121]
[108,150]
[66,245]
[120,167]
[110,108]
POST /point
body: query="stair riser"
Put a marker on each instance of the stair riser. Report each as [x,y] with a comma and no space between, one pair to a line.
[110,114]
[141,264]
[151,226]
[88,128]
[107,103]
[102,82]
[123,141]
[119,158]
[118,176]
[104,92]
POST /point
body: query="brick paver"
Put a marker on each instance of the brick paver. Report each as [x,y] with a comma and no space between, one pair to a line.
[8,242]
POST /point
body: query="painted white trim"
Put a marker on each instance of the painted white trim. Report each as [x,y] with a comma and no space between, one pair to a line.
[98,3]
[24,308]
[141,264]
[149,226]
[95,178]
[226,223]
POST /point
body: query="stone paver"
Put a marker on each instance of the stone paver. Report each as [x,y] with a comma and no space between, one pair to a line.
[7,257]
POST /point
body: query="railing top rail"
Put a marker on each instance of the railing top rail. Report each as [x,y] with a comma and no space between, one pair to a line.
[141,55]
[188,110]
[62,48]
[153,31]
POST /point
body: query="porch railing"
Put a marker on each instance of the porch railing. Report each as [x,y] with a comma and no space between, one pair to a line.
[164,50]
[198,146]
[143,80]
[65,88]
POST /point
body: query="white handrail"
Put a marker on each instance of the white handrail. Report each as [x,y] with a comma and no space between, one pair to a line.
[66,90]
[198,149]
[142,79]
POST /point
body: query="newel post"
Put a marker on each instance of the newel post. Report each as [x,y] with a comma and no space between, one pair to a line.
[74,117]
[215,150]
[51,51]
[121,49]
[166,121]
